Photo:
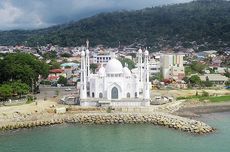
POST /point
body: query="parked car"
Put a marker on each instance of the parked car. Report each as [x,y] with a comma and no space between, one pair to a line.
[68,89]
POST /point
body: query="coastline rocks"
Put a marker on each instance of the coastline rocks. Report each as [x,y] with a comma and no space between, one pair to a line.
[31,124]
[162,119]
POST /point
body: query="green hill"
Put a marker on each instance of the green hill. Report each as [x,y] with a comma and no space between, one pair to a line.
[202,24]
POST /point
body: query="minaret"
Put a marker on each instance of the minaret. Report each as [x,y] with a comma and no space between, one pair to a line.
[146,89]
[87,60]
[83,89]
[140,65]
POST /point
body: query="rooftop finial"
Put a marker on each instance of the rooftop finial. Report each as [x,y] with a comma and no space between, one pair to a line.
[87,44]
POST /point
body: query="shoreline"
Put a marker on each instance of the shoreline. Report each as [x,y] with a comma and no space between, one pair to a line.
[182,119]
[156,118]
[197,110]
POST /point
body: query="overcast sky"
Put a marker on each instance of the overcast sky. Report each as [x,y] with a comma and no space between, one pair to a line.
[31,14]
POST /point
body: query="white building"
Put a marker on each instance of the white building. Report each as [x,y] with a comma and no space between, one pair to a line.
[101,58]
[115,85]
[154,67]
[172,66]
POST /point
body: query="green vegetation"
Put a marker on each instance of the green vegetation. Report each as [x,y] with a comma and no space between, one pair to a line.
[62,80]
[206,97]
[157,76]
[207,83]
[220,98]
[45,82]
[22,67]
[198,24]
[11,89]
[50,55]
[6,91]
[93,67]
[30,99]
[130,63]
[66,55]
[54,64]
[194,68]
[227,83]
[193,81]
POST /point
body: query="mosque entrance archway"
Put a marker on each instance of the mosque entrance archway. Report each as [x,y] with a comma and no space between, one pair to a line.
[114,93]
[100,95]
[128,95]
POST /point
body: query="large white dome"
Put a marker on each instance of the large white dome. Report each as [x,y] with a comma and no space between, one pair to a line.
[114,66]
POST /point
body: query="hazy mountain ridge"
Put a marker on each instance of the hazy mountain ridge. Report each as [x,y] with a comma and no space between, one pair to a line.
[205,21]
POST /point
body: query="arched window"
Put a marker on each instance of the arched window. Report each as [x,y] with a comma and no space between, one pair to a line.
[135,94]
[92,94]
[114,93]
[128,95]
[100,95]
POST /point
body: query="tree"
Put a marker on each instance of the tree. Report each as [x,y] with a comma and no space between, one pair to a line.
[66,55]
[93,67]
[204,21]
[195,80]
[54,64]
[5,91]
[207,83]
[198,67]
[227,83]
[62,80]
[157,76]
[130,63]
[19,88]
[50,55]
[24,67]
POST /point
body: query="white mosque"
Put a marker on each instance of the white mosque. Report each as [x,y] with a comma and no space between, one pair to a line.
[115,85]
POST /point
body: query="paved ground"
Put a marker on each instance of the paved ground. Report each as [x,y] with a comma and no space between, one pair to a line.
[50,92]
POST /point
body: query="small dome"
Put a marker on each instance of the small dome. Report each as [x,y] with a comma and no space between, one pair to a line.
[101,71]
[146,52]
[140,51]
[87,51]
[82,53]
[114,66]
[127,72]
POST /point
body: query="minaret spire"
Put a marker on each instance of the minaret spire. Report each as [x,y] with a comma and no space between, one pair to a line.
[146,89]
[87,60]
[83,89]
[140,65]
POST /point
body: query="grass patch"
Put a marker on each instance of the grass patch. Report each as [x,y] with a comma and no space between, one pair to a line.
[219,98]
[209,98]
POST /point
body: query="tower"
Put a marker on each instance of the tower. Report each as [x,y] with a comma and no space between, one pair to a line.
[146,94]
[140,65]
[83,89]
[87,61]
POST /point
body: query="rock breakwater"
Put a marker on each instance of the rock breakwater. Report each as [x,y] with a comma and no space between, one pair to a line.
[162,119]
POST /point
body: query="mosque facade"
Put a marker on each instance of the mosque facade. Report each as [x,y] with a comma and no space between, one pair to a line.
[113,84]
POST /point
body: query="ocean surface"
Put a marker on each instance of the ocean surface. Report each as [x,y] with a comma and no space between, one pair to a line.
[118,138]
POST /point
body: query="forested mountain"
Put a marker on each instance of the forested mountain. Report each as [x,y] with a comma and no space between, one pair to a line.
[202,24]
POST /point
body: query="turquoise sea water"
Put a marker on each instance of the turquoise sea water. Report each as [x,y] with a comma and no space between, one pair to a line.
[118,138]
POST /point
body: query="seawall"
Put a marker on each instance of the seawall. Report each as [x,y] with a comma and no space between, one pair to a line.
[161,119]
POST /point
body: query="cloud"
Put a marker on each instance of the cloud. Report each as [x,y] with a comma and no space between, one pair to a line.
[32,14]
